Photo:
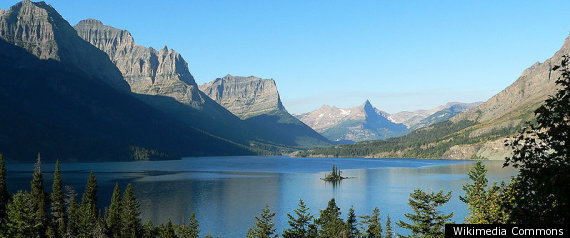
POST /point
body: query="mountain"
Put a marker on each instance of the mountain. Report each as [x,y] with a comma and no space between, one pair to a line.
[480,131]
[39,29]
[164,73]
[64,98]
[422,118]
[257,102]
[364,122]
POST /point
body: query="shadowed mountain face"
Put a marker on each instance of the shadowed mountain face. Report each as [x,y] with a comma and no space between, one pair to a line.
[360,123]
[64,98]
[257,102]
[57,110]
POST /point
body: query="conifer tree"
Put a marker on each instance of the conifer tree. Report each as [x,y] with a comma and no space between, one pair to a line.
[375,225]
[39,196]
[167,230]
[113,218]
[58,211]
[351,230]
[485,206]
[426,220]
[4,195]
[73,217]
[301,224]
[264,225]
[193,227]
[88,215]
[389,231]
[23,217]
[330,222]
[149,230]
[130,214]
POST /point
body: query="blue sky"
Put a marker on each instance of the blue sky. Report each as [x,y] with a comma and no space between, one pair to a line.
[401,55]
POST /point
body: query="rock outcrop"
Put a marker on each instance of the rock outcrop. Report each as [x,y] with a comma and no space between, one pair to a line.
[40,30]
[148,71]
[364,122]
[244,96]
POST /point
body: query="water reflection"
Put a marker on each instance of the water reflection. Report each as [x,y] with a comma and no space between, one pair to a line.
[226,193]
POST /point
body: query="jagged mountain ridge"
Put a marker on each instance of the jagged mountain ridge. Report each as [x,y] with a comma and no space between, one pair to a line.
[165,73]
[59,96]
[364,122]
[40,30]
[257,102]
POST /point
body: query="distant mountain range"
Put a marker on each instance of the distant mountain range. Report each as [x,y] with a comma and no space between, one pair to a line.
[90,93]
[347,125]
[480,131]
[365,122]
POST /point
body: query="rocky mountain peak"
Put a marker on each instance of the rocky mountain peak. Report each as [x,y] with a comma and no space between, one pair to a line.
[244,96]
[41,30]
[146,70]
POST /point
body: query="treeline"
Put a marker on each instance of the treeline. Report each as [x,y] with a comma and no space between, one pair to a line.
[59,214]
[429,142]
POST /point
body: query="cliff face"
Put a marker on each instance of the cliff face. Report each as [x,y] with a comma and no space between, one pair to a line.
[148,71]
[256,101]
[355,124]
[244,96]
[41,31]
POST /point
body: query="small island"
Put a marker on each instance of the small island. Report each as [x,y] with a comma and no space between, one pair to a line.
[334,176]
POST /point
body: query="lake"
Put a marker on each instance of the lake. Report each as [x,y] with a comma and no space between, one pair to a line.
[226,193]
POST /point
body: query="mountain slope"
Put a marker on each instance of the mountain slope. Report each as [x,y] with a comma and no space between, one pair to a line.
[480,131]
[63,97]
[360,123]
[257,102]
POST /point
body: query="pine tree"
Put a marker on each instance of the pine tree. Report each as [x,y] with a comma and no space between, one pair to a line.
[541,153]
[73,216]
[375,225]
[4,195]
[113,218]
[263,225]
[23,217]
[39,196]
[299,225]
[130,214]
[88,215]
[149,230]
[485,206]
[193,227]
[58,211]
[351,230]
[330,222]
[167,230]
[389,231]
[427,221]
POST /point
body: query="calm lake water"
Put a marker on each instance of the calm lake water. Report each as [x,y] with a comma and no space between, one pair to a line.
[226,193]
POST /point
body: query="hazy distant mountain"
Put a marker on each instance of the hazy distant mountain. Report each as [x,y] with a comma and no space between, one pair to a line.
[364,122]
[480,131]
[64,98]
[422,118]
[257,102]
